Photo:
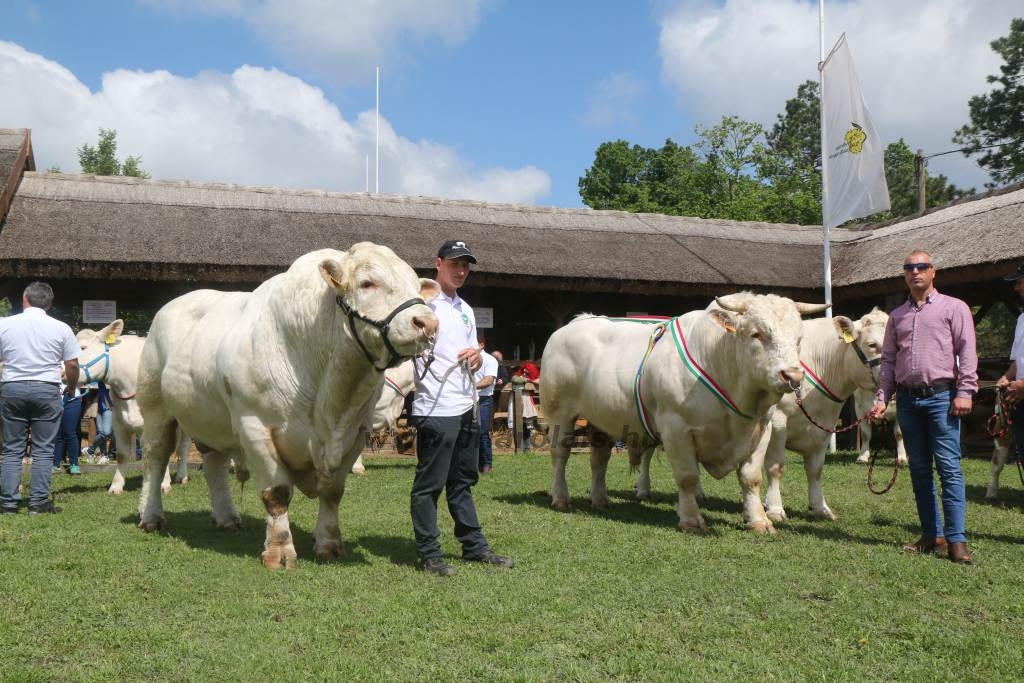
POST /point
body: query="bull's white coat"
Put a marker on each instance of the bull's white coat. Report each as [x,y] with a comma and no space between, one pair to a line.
[390,404]
[589,368]
[275,380]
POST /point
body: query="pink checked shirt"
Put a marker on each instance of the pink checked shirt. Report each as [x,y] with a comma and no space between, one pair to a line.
[922,346]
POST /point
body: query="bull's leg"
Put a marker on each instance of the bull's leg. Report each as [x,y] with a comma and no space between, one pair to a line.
[600,454]
[643,477]
[275,487]
[1000,455]
[359,467]
[125,440]
[165,483]
[561,431]
[278,548]
[864,435]
[327,544]
[215,467]
[813,466]
[750,474]
[158,440]
[184,446]
[775,466]
[686,471]
[901,449]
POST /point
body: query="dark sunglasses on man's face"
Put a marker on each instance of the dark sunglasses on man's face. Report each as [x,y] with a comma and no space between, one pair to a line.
[911,267]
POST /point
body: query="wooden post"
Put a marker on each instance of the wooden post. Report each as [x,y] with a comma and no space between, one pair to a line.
[516,406]
[920,170]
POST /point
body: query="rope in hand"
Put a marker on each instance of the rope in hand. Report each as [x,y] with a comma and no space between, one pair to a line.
[830,430]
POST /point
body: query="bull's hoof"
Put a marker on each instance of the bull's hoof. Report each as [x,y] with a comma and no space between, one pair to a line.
[701,499]
[233,523]
[328,551]
[991,497]
[777,516]
[279,557]
[165,488]
[902,462]
[152,524]
[643,495]
[561,505]
[184,481]
[358,469]
[115,490]
[862,460]
[762,527]
[824,514]
[599,505]
[693,525]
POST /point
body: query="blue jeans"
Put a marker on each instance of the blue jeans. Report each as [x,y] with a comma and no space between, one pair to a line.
[486,411]
[932,434]
[69,441]
[104,427]
[36,405]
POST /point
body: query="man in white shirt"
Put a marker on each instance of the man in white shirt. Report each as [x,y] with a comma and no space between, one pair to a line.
[1012,380]
[447,435]
[486,378]
[32,347]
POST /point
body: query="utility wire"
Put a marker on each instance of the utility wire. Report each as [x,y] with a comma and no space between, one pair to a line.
[971,149]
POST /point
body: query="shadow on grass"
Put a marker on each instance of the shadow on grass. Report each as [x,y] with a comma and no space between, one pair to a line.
[399,550]
[914,530]
[1010,496]
[196,529]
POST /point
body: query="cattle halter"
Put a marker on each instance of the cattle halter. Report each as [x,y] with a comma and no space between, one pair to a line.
[700,373]
[641,409]
[382,326]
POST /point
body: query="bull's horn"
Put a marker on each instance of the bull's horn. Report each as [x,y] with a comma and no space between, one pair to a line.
[733,303]
[808,309]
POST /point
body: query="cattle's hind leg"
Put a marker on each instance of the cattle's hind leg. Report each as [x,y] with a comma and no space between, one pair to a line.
[184,446]
[643,477]
[327,545]
[158,441]
[275,487]
[125,440]
[600,454]
[561,431]
[215,466]
[278,548]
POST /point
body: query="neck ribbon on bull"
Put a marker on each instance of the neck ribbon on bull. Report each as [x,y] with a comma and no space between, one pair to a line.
[105,359]
[382,326]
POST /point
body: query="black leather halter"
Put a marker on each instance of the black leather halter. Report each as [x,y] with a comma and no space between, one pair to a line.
[382,326]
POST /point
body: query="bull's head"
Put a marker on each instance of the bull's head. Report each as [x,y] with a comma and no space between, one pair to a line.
[382,291]
[770,329]
[94,359]
[865,337]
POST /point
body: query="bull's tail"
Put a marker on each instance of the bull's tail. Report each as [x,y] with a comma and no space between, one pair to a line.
[635,457]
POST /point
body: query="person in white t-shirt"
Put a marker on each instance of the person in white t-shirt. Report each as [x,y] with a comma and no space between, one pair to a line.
[447,433]
[486,380]
[32,347]
[1012,380]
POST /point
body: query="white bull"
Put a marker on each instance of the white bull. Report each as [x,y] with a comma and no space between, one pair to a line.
[706,392]
[283,379]
[1001,452]
[111,357]
[862,402]
[398,382]
[839,356]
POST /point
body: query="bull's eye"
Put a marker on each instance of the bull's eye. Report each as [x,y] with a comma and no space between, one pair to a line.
[757,335]
[872,346]
[367,284]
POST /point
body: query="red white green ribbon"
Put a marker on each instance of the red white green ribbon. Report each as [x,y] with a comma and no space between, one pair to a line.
[818,384]
[391,383]
[702,376]
[641,409]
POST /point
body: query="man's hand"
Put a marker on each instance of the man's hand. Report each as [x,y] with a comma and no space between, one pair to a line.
[1015,392]
[473,355]
[961,406]
[877,412]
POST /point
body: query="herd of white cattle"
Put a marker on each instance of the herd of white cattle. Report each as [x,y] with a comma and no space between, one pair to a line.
[284,383]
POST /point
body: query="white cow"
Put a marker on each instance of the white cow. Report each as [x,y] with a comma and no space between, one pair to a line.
[1001,453]
[282,379]
[111,357]
[706,392]
[862,401]
[839,356]
[398,382]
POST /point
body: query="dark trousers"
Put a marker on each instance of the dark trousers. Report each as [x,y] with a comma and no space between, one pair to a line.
[1018,430]
[447,451]
[486,406]
[26,405]
[69,441]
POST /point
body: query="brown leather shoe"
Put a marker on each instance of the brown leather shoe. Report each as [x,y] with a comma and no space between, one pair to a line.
[959,553]
[928,545]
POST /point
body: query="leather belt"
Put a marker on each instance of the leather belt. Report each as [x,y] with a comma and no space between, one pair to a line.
[925,392]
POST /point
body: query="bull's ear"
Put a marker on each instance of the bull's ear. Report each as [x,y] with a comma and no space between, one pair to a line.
[846,328]
[333,273]
[724,319]
[111,332]
[429,289]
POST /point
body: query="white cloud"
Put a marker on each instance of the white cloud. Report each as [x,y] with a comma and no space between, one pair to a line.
[345,40]
[612,100]
[254,126]
[918,62]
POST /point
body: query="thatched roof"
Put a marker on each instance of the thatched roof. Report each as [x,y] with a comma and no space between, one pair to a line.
[15,157]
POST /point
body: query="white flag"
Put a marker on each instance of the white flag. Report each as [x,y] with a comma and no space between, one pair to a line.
[855,182]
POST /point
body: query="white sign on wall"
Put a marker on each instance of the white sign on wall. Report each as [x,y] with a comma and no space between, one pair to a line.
[484,318]
[98,311]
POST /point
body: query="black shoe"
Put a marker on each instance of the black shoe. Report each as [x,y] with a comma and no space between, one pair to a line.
[437,565]
[491,557]
[46,508]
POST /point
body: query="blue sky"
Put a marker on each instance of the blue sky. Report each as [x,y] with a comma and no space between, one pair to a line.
[483,99]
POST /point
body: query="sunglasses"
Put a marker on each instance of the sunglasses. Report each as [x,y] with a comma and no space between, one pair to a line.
[911,267]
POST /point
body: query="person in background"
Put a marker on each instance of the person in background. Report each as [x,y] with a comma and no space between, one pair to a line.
[69,437]
[104,428]
[929,361]
[1012,380]
[33,346]
[486,379]
[502,378]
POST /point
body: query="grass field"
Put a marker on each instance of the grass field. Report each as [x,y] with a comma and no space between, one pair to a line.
[616,596]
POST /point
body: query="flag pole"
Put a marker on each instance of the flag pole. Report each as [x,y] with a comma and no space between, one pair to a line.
[824,172]
[376,144]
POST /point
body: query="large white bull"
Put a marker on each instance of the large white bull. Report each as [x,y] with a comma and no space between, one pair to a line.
[705,392]
[838,357]
[284,380]
[398,382]
[111,357]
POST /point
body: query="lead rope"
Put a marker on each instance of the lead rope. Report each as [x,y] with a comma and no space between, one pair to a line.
[468,372]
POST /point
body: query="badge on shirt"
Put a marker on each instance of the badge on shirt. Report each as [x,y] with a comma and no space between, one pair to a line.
[465,320]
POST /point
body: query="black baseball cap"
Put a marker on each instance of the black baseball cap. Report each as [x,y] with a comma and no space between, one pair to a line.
[455,249]
[1016,275]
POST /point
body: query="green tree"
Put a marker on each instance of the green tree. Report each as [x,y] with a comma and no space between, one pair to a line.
[998,117]
[901,177]
[102,159]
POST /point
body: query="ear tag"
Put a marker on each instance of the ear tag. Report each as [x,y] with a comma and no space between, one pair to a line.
[847,336]
[110,339]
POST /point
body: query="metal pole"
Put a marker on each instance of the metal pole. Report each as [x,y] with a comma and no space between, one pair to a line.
[824,176]
[376,162]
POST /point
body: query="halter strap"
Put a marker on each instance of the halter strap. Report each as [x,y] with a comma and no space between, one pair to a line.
[641,409]
[390,383]
[700,373]
[383,326]
[103,357]
[819,384]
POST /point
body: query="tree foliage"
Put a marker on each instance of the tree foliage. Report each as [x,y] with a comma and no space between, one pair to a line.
[901,177]
[102,159]
[997,119]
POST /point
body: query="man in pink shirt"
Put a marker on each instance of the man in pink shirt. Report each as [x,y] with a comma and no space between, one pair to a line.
[929,361]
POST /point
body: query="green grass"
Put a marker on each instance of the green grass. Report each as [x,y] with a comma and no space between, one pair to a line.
[620,596]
